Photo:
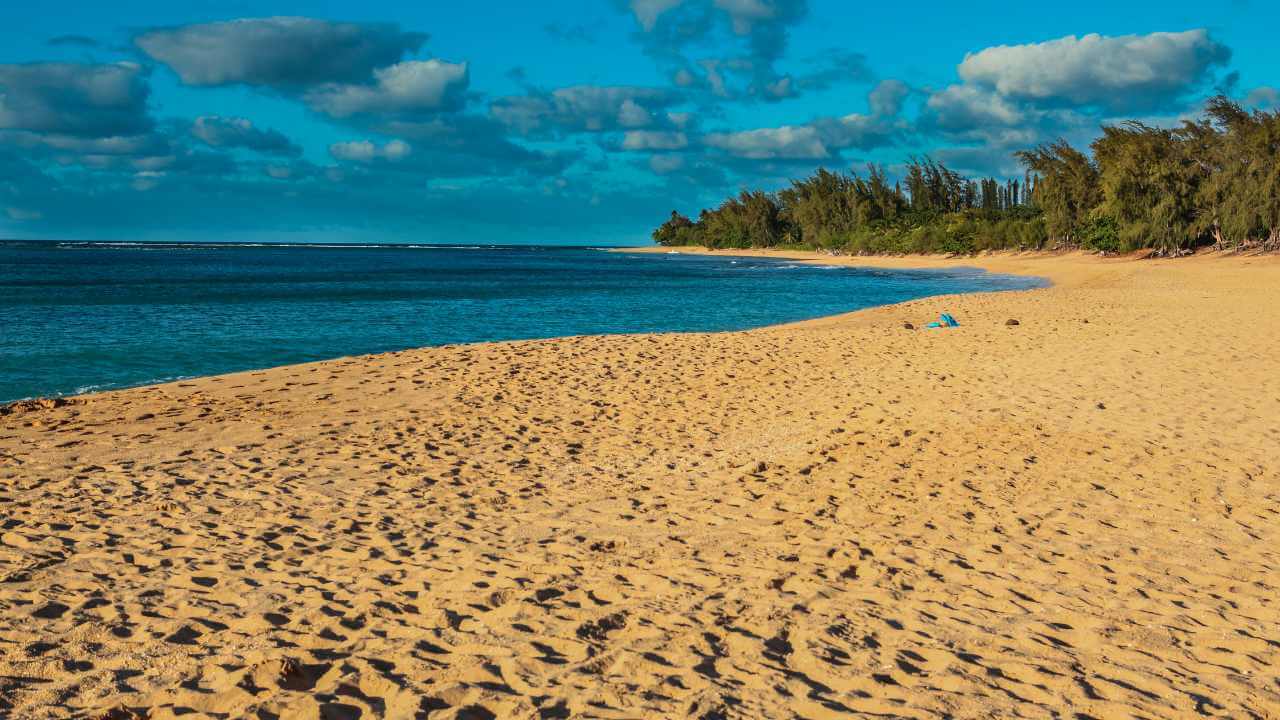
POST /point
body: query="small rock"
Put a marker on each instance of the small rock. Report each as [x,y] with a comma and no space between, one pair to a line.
[1102,406]
[908,326]
[1011,322]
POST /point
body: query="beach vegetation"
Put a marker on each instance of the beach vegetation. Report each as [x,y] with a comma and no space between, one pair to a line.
[1214,181]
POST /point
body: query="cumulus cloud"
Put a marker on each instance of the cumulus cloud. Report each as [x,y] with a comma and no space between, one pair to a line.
[278,52]
[234,132]
[1015,96]
[459,145]
[180,161]
[295,170]
[357,74]
[887,97]
[414,86]
[64,146]
[758,31]
[584,108]
[654,140]
[795,142]
[829,69]
[365,151]
[862,132]
[1120,72]
[746,13]
[962,107]
[75,100]
[665,164]
[823,138]
[647,12]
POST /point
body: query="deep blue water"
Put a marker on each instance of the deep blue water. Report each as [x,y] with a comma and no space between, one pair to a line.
[76,317]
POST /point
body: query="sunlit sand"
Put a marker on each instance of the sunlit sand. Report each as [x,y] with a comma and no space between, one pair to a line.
[1077,515]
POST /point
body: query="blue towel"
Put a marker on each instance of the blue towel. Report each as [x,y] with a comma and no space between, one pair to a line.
[944,321]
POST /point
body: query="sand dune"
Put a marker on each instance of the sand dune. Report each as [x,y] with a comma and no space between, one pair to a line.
[1077,517]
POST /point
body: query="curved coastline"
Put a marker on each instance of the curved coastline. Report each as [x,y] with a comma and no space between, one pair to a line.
[186,372]
[1075,514]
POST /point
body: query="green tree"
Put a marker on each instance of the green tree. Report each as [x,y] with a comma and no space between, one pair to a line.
[1067,189]
[1149,183]
[674,231]
[1239,155]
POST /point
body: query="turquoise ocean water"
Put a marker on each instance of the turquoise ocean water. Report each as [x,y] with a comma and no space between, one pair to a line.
[79,317]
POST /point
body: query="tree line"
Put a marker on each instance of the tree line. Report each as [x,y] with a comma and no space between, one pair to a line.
[1211,181]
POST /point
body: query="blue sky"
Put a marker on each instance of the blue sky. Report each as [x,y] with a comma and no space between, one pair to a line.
[557,121]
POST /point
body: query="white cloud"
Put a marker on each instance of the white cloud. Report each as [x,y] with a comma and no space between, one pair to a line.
[233,132]
[415,86]
[887,97]
[825,137]
[88,101]
[281,52]
[654,140]
[365,152]
[648,11]
[747,37]
[744,13]
[584,108]
[121,145]
[801,142]
[664,164]
[960,107]
[1116,72]
[856,131]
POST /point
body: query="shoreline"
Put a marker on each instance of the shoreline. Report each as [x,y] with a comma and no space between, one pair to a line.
[1034,263]
[1072,515]
[16,405]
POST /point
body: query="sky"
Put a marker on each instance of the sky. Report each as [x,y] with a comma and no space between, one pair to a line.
[575,122]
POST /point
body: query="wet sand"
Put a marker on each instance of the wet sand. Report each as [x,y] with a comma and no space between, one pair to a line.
[1077,516]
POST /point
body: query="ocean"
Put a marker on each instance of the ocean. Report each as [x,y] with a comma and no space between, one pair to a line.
[78,317]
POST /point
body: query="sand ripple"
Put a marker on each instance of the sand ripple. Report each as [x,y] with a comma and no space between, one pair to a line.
[1077,516]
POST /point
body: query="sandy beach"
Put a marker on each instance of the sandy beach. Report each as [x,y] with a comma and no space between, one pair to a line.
[1076,516]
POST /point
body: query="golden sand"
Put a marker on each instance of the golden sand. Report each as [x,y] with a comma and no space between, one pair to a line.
[1077,517]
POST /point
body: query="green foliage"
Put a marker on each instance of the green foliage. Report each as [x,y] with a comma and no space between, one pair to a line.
[1212,181]
[1149,184]
[675,231]
[750,220]
[1067,188]
[822,209]
[1101,233]
[866,214]
[1239,194]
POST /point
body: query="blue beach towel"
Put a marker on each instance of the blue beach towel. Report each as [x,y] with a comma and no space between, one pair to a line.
[944,321]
